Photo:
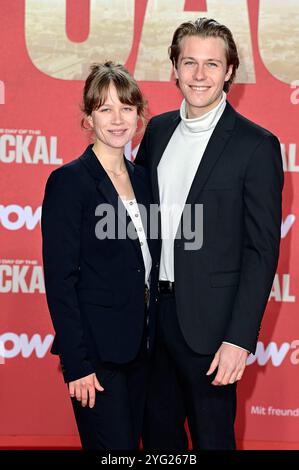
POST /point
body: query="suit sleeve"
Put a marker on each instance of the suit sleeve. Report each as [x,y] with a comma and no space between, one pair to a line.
[61,224]
[262,226]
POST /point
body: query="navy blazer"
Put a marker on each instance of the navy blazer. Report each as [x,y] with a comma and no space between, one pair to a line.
[222,288]
[94,287]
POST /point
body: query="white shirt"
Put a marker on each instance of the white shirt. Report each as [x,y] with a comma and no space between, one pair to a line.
[132,208]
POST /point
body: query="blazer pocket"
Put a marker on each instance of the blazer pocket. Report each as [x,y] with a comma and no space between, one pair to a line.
[225,187]
[224,279]
[98,296]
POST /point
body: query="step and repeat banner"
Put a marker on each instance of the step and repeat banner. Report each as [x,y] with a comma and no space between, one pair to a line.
[46,48]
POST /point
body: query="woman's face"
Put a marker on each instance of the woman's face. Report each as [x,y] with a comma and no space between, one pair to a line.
[114,123]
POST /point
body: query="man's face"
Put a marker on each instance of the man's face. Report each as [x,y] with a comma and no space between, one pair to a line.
[201,71]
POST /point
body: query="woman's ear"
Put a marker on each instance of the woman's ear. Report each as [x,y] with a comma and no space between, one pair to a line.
[89,120]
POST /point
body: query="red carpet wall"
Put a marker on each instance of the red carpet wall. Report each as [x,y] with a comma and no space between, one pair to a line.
[46,47]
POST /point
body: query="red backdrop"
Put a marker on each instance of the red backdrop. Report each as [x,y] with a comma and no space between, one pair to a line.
[45,51]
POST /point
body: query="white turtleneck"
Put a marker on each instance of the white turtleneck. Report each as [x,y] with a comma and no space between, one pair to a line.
[176,172]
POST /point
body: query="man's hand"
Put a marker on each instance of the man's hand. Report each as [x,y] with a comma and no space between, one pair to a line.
[84,388]
[231,362]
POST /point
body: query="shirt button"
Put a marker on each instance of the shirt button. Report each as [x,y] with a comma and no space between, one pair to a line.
[131,203]
[140,229]
[136,215]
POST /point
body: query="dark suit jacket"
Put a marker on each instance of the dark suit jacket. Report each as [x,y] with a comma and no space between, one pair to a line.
[95,288]
[222,289]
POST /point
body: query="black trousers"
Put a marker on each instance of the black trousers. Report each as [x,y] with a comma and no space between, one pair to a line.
[115,421]
[180,388]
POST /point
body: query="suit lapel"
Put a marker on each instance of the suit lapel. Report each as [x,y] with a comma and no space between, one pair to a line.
[162,139]
[139,191]
[138,186]
[214,149]
[104,184]
[105,187]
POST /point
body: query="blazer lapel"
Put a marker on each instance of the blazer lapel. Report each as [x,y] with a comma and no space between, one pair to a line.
[139,191]
[104,184]
[163,138]
[108,191]
[214,149]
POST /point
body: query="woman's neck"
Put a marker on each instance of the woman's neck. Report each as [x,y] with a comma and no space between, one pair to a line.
[111,158]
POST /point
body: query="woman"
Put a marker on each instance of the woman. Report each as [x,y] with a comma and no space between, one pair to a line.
[96,275]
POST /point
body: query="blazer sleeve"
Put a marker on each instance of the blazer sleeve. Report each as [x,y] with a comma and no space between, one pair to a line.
[61,225]
[262,196]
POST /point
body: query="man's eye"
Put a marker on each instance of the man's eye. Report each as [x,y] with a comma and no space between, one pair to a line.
[212,64]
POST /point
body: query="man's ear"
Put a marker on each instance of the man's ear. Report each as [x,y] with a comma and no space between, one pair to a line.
[228,73]
[175,72]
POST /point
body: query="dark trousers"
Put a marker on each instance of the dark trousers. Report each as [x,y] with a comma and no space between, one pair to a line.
[180,388]
[115,421]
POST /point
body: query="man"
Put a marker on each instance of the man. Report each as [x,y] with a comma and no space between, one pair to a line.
[212,298]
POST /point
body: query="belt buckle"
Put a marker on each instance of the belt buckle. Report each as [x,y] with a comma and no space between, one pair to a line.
[166,287]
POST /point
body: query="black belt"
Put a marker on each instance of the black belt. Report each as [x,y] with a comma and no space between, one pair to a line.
[166,287]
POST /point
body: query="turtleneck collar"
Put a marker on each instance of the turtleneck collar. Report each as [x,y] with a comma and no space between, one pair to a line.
[203,123]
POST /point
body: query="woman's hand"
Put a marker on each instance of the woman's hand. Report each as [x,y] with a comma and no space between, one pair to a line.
[85,387]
